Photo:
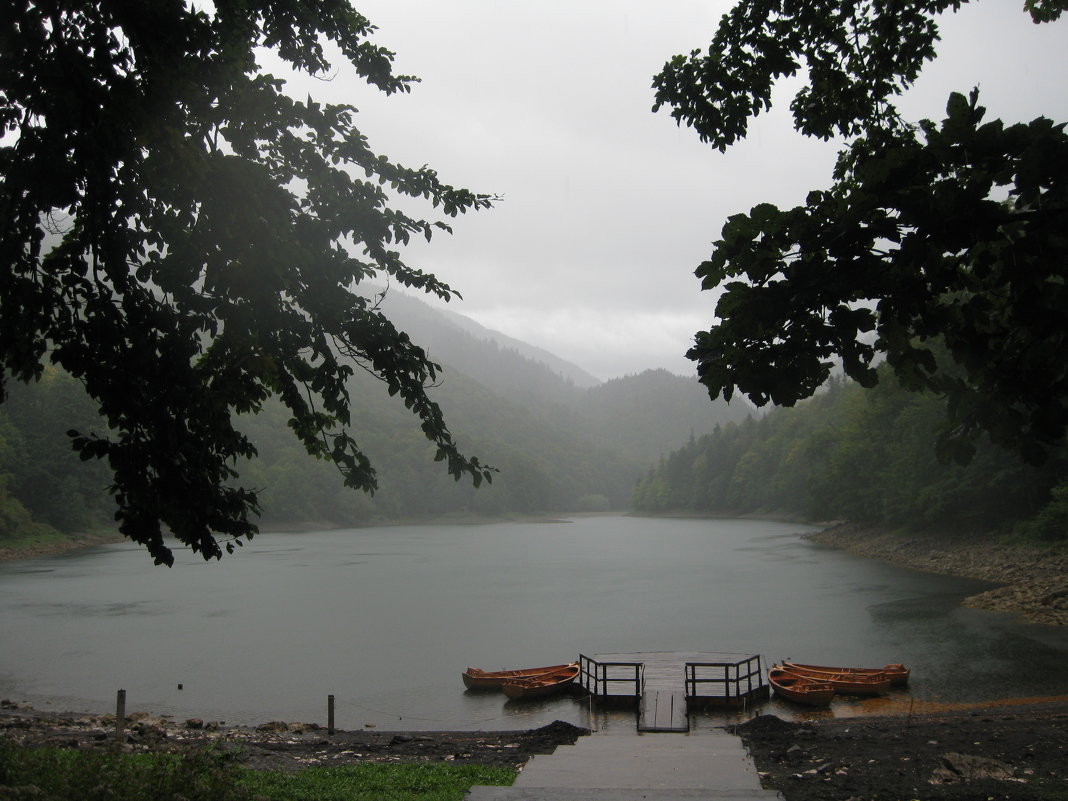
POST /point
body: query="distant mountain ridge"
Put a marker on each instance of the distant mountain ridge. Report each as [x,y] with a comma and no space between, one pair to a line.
[530,375]
[642,416]
[562,441]
[569,370]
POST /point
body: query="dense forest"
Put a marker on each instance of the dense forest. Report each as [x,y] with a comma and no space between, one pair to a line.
[563,442]
[848,453]
[558,445]
[865,455]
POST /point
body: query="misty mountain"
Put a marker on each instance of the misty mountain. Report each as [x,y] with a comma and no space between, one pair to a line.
[511,368]
[639,417]
[561,441]
[642,415]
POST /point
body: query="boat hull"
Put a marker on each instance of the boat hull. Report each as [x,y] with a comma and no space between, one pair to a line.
[799,689]
[846,683]
[543,685]
[477,679]
[896,672]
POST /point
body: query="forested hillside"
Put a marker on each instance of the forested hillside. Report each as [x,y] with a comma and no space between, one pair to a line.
[861,455]
[642,413]
[558,445]
[43,483]
[541,467]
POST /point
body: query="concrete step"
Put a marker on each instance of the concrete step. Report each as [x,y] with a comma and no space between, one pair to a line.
[485,793]
[710,761]
[712,766]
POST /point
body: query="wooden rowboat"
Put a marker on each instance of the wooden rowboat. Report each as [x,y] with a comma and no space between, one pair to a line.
[800,689]
[476,679]
[844,683]
[546,684]
[897,673]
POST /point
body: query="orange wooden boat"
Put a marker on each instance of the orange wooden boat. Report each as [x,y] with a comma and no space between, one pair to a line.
[800,689]
[844,683]
[897,673]
[546,684]
[476,679]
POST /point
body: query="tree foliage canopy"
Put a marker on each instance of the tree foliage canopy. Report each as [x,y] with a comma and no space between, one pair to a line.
[951,231]
[186,240]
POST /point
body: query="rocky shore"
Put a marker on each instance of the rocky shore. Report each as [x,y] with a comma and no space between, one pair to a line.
[1014,753]
[1000,751]
[279,745]
[1033,581]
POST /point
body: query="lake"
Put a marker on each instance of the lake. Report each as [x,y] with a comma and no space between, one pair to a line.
[385,619]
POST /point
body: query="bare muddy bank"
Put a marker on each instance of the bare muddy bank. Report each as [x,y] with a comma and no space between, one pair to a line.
[1013,752]
[1033,580]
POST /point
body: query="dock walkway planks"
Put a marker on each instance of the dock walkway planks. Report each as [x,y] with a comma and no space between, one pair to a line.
[663,710]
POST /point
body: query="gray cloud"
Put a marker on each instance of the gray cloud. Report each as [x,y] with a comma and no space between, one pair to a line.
[608,208]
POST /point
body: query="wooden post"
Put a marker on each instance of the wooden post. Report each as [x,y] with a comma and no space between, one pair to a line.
[120,716]
[329,714]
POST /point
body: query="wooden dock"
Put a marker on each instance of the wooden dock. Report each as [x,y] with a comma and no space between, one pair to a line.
[663,710]
[666,684]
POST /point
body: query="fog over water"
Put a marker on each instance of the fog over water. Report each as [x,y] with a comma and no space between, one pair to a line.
[387,618]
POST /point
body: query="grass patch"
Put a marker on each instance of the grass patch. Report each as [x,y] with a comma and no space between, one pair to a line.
[32,536]
[207,775]
[64,775]
[376,782]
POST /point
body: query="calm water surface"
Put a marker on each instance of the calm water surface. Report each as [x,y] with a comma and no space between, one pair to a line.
[387,618]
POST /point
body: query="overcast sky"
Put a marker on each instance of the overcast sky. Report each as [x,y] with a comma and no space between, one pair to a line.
[607,208]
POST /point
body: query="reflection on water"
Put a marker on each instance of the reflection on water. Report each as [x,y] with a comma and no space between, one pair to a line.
[386,619]
[923,607]
[75,610]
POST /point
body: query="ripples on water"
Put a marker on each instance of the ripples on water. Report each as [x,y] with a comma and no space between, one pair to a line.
[386,619]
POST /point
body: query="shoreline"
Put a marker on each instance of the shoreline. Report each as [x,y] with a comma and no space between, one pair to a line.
[1011,751]
[1008,752]
[77,542]
[1032,580]
[279,745]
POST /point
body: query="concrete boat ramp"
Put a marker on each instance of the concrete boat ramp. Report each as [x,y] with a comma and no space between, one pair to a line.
[637,767]
[664,758]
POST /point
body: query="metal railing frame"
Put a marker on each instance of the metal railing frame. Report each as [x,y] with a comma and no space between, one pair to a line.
[594,678]
[726,679]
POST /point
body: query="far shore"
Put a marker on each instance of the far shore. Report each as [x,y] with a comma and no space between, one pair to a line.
[80,541]
[52,547]
[1032,580]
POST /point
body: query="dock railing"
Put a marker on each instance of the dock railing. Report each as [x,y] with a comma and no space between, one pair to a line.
[725,683]
[611,679]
